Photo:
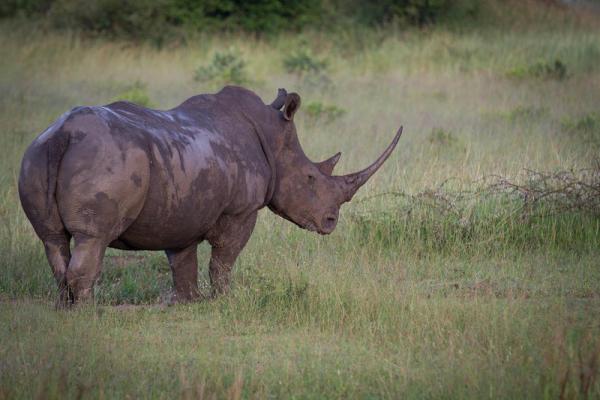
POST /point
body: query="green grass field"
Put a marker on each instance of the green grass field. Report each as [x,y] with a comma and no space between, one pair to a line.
[439,281]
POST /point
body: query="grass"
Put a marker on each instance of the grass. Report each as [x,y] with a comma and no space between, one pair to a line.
[408,298]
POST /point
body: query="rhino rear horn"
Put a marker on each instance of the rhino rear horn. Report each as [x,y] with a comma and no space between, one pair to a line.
[328,165]
[280,99]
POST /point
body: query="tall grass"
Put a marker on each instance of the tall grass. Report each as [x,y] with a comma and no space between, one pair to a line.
[421,292]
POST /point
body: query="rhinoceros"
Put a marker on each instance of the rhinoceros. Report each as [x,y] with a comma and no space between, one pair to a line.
[128,177]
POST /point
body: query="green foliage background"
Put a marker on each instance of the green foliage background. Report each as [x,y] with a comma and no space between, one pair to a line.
[162,19]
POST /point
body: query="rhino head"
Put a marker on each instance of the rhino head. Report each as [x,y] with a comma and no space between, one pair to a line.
[307,193]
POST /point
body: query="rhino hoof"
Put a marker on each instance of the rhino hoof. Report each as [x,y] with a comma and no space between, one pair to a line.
[65,299]
[184,299]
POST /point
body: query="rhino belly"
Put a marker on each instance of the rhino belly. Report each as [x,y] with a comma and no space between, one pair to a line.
[160,233]
[179,211]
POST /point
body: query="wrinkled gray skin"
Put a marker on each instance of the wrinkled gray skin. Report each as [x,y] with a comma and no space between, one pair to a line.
[131,178]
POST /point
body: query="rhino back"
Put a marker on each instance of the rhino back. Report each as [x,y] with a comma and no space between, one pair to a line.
[167,175]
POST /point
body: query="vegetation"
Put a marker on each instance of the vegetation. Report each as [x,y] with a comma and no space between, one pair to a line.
[467,268]
[226,68]
[303,62]
[546,70]
[323,112]
[135,93]
[585,129]
[159,20]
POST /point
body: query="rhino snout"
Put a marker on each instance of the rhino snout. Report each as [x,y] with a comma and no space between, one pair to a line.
[328,223]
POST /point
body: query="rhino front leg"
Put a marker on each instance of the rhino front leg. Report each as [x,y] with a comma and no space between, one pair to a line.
[184,267]
[227,241]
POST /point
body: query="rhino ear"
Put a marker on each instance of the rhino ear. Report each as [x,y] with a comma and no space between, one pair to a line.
[292,104]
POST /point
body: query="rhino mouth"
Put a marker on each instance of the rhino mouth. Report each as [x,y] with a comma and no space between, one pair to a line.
[306,223]
[325,229]
[310,226]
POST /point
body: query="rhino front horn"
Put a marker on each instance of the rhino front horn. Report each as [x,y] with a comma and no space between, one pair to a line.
[352,182]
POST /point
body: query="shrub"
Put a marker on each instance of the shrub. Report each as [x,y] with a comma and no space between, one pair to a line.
[587,127]
[11,8]
[587,123]
[525,114]
[442,137]
[542,69]
[135,19]
[302,62]
[559,209]
[318,111]
[264,16]
[520,115]
[305,65]
[225,68]
[137,94]
[158,20]
[414,12]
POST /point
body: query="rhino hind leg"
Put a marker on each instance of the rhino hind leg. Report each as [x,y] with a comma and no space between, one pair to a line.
[84,266]
[37,181]
[184,267]
[58,253]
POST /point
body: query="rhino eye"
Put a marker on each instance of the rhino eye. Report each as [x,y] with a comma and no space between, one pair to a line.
[311,179]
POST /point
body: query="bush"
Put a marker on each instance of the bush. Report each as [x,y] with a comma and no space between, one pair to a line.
[137,94]
[137,19]
[586,127]
[589,123]
[265,16]
[413,12]
[541,69]
[318,111]
[525,114]
[12,8]
[226,68]
[441,137]
[157,20]
[560,209]
[302,62]
[160,19]
[309,68]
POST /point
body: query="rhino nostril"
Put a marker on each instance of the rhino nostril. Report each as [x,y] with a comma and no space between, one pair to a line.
[329,222]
